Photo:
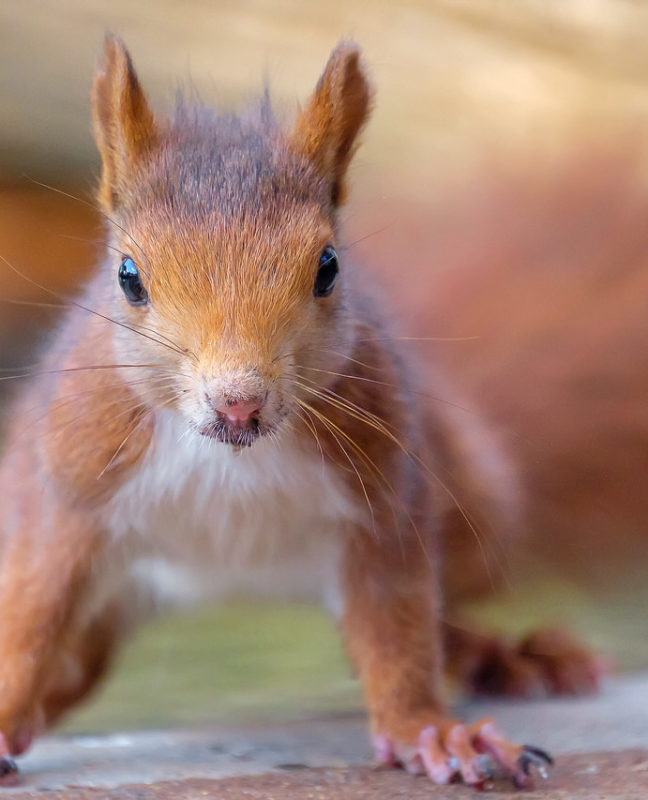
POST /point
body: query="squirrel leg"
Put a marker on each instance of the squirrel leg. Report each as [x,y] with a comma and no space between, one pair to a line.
[392,630]
[546,661]
[83,661]
[44,566]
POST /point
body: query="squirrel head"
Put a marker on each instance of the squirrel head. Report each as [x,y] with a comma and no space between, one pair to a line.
[224,247]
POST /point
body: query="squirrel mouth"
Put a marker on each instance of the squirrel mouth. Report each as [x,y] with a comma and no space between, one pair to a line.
[238,435]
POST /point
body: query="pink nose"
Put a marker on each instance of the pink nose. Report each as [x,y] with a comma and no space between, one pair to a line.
[240,411]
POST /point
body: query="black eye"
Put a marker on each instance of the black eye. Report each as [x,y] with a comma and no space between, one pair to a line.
[327,272]
[130,282]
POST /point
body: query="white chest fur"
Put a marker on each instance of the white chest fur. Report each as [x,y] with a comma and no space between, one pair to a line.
[199,521]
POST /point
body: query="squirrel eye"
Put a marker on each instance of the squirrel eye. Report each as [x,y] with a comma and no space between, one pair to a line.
[130,282]
[327,272]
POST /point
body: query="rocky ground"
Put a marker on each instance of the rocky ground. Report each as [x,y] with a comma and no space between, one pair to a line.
[600,745]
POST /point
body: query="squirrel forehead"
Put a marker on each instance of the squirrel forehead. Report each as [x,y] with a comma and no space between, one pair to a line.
[210,165]
[285,236]
[229,190]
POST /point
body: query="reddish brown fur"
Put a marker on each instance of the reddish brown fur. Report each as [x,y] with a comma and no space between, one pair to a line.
[227,218]
[123,122]
[327,129]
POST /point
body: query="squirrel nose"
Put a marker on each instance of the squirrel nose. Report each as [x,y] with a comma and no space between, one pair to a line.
[240,411]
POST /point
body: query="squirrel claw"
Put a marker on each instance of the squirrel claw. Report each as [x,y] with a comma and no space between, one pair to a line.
[532,757]
[9,772]
[538,754]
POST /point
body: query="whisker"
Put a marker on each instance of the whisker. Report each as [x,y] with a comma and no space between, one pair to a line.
[377,471]
[328,350]
[306,419]
[340,404]
[138,421]
[90,368]
[421,339]
[325,422]
[67,399]
[349,403]
[181,350]
[76,304]
[387,385]
[87,203]
[360,415]
[35,303]
[85,239]
[368,236]
[385,487]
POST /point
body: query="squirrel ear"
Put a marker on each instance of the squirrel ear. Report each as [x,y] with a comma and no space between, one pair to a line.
[327,127]
[123,122]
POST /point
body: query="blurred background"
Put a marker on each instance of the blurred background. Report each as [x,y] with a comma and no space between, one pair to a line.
[500,196]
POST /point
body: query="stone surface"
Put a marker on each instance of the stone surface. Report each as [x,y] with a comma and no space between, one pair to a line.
[601,744]
[613,776]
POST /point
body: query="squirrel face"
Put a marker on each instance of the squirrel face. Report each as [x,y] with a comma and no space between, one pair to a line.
[223,245]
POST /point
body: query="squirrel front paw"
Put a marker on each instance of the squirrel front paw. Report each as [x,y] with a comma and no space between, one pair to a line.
[15,744]
[445,749]
[9,773]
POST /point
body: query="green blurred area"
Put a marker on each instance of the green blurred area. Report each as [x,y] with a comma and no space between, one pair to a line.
[256,662]
[238,661]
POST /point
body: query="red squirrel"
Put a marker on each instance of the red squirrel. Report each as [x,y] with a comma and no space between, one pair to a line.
[226,409]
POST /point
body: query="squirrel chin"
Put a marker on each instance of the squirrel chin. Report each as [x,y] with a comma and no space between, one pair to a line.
[238,437]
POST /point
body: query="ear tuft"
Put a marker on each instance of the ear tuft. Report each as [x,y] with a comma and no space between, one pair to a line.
[327,127]
[124,126]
